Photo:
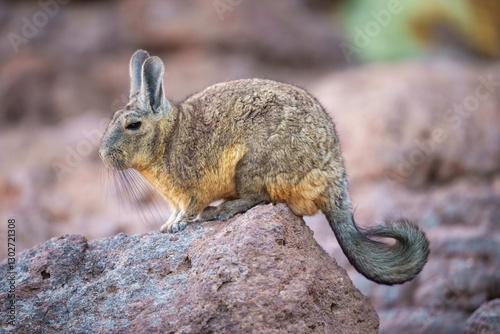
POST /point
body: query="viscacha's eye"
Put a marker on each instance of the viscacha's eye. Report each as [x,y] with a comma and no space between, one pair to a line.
[134,126]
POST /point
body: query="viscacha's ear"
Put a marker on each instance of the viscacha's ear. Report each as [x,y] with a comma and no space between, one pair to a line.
[152,85]
[135,70]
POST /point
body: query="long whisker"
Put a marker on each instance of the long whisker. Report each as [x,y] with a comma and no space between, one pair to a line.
[94,156]
[138,189]
[119,194]
[146,193]
[135,184]
[149,195]
[104,182]
[130,189]
[125,187]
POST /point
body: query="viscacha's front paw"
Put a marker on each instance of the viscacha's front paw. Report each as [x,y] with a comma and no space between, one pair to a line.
[173,227]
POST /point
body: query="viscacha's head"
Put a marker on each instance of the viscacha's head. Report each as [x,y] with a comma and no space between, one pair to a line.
[135,136]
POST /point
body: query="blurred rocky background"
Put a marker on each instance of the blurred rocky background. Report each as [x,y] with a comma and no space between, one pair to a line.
[414,89]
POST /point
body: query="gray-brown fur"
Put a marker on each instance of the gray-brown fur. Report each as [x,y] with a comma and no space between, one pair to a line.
[248,142]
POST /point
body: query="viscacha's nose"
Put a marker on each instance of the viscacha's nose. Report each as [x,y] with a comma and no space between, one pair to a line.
[102,152]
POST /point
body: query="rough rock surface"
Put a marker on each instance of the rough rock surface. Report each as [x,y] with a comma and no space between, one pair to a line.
[485,320]
[258,272]
[417,123]
[449,185]
[72,75]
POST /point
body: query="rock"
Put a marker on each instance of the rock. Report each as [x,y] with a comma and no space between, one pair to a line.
[26,75]
[79,59]
[416,123]
[421,321]
[258,272]
[485,320]
[280,32]
[460,276]
[385,116]
[470,277]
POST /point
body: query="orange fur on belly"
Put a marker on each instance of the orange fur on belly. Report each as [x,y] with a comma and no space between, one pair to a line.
[219,182]
[303,196]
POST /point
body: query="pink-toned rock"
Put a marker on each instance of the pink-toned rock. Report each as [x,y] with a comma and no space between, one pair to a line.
[79,59]
[73,73]
[281,32]
[485,320]
[26,74]
[258,272]
[417,123]
[384,115]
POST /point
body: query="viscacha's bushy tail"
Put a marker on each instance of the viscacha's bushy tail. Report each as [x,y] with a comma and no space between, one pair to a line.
[376,260]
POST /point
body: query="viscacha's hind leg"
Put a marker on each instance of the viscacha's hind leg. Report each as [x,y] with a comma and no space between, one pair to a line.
[229,209]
